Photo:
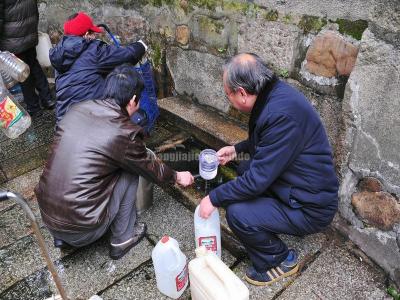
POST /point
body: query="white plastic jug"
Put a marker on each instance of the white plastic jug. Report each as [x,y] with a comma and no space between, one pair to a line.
[207,232]
[170,266]
[42,50]
[211,279]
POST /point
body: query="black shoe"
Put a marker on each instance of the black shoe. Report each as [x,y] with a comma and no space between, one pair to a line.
[35,113]
[48,104]
[119,250]
[61,244]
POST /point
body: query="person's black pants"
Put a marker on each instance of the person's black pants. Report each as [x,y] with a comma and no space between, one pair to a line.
[36,80]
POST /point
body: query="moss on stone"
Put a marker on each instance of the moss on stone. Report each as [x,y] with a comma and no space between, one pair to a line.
[311,23]
[227,172]
[246,8]
[287,19]
[210,25]
[156,55]
[271,15]
[207,4]
[352,28]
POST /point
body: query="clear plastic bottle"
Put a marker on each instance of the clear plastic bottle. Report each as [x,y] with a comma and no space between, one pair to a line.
[14,120]
[12,65]
[9,82]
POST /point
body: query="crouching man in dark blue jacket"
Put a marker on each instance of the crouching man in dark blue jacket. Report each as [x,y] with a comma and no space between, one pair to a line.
[83,62]
[289,186]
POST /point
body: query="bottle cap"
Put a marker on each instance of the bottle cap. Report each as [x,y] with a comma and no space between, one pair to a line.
[165,239]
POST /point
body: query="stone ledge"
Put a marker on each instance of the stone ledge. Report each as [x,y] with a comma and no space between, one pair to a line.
[209,127]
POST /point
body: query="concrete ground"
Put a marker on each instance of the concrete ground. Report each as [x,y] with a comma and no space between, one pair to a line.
[330,267]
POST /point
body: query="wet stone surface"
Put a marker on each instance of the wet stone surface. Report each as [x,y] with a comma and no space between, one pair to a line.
[23,258]
[14,224]
[169,217]
[306,248]
[336,274]
[28,151]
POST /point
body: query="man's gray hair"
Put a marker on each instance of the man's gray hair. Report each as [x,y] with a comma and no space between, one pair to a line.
[248,71]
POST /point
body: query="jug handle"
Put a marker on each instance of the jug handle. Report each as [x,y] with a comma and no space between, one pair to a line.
[176,253]
[219,269]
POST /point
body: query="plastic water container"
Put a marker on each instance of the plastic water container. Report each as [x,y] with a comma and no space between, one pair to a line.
[207,232]
[42,50]
[9,82]
[13,66]
[208,164]
[14,120]
[211,279]
[170,266]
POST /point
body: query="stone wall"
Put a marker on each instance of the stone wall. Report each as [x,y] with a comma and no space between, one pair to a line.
[344,55]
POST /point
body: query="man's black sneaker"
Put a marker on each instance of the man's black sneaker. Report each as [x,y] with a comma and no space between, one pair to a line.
[286,268]
[35,113]
[61,244]
[48,104]
[119,250]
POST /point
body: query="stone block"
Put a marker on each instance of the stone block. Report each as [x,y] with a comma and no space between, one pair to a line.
[211,33]
[182,34]
[276,43]
[370,184]
[330,55]
[371,105]
[375,242]
[198,75]
[378,209]
[129,28]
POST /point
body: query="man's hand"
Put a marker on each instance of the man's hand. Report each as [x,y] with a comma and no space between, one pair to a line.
[184,178]
[206,207]
[226,154]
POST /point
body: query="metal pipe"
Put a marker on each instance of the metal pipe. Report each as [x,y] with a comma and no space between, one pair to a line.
[4,195]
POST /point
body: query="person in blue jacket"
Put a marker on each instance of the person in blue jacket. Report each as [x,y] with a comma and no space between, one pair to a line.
[82,62]
[289,185]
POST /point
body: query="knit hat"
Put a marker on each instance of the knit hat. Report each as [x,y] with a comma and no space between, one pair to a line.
[79,25]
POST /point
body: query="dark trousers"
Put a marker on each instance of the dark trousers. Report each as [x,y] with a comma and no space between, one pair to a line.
[120,220]
[258,222]
[36,80]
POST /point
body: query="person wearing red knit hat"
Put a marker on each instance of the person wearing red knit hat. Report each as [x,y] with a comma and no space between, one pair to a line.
[82,62]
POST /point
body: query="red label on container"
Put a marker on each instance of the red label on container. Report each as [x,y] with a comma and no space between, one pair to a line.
[210,242]
[9,113]
[182,278]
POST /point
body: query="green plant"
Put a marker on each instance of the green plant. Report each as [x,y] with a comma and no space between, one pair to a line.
[352,28]
[271,15]
[284,73]
[393,292]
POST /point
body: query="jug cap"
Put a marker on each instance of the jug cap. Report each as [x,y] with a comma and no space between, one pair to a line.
[165,239]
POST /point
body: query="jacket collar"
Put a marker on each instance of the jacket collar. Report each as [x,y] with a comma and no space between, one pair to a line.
[261,101]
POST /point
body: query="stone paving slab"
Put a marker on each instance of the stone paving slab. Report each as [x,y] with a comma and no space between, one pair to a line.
[337,274]
[91,270]
[23,185]
[165,217]
[14,223]
[23,258]
[140,285]
[197,118]
[169,217]
[29,150]
[306,247]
